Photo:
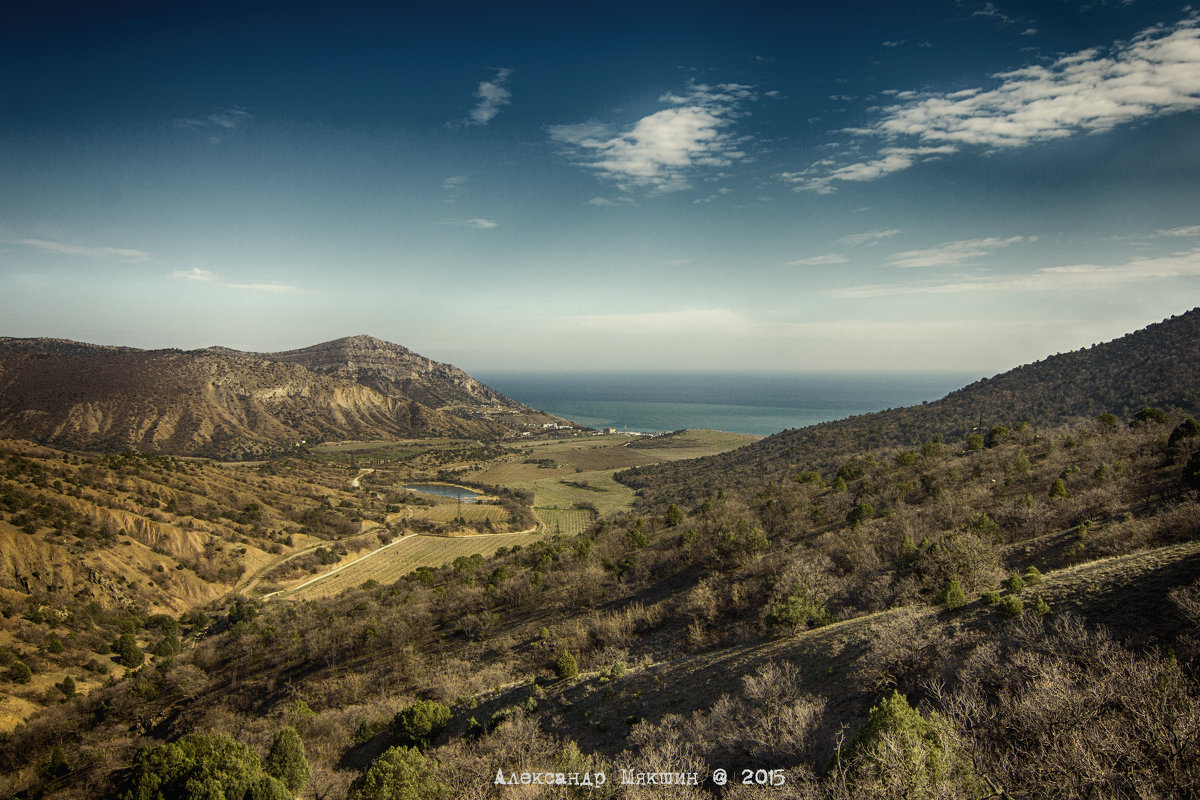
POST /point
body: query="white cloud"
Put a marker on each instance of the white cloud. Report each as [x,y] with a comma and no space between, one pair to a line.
[659,151]
[870,238]
[482,224]
[127,255]
[1155,73]
[493,95]
[220,122]
[1066,278]
[953,254]
[1190,230]
[828,258]
[208,276]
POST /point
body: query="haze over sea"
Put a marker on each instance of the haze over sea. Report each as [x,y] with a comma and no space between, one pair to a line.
[757,403]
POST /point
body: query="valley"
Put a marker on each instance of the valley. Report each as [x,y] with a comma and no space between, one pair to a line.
[895,605]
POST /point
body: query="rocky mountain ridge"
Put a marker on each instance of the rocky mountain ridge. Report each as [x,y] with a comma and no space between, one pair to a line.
[225,403]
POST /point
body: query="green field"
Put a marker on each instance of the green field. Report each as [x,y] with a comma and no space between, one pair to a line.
[580,469]
[568,521]
[392,563]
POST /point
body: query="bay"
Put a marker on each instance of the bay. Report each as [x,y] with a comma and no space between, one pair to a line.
[755,403]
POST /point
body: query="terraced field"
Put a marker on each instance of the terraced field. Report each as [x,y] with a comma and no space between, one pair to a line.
[446,512]
[568,521]
[392,562]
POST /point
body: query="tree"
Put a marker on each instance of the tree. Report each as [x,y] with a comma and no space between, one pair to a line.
[286,760]
[952,595]
[268,788]
[19,672]
[401,773]
[420,723]
[860,514]
[565,665]
[197,766]
[1149,415]
[127,648]
[899,753]
[798,610]
[67,687]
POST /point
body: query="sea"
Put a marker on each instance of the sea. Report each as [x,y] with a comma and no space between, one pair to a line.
[754,403]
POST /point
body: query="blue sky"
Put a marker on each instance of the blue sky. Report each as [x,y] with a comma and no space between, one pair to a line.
[953,185]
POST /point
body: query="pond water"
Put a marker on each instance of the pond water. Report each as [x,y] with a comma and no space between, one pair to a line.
[442,490]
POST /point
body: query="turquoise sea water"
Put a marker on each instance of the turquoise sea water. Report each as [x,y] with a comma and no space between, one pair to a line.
[742,403]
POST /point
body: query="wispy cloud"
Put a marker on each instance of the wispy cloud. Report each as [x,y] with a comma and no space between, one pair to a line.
[197,275]
[870,238]
[127,255]
[218,124]
[453,188]
[1049,279]
[479,223]
[953,254]
[1155,73]
[828,258]
[492,95]
[1190,230]
[661,150]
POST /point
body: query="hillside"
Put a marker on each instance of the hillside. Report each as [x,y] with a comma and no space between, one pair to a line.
[1015,614]
[1155,367]
[226,404]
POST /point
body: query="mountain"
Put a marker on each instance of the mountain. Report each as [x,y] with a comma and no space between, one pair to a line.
[1155,367]
[225,403]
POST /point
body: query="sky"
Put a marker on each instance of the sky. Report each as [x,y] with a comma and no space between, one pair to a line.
[952,185]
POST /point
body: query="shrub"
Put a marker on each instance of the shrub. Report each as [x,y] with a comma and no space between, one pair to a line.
[19,672]
[1011,606]
[990,598]
[1032,576]
[565,665]
[1014,583]
[952,595]
[860,514]
[131,655]
[420,723]
[1059,489]
[1040,606]
[401,773]
[213,766]
[900,753]
[796,611]
[287,761]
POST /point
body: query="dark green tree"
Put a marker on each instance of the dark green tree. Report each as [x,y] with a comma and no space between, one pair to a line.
[286,760]
[127,648]
[401,773]
[565,665]
[197,766]
[420,723]
[19,672]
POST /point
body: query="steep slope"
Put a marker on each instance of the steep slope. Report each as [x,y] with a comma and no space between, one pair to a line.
[1156,366]
[227,404]
[397,371]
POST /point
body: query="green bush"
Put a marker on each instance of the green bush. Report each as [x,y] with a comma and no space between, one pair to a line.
[565,665]
[1040,606]
[287,761]
[990,598]
[401,773]
[1014,583]
[952,595]
[798,610]
[1011,606]
[127,648]
[420,723]
[901,753]
[860,514]
[19,672]
[1058,490]
[1032,576]
[196,766]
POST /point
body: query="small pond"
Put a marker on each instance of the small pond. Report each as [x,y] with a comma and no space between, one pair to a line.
[442,490]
